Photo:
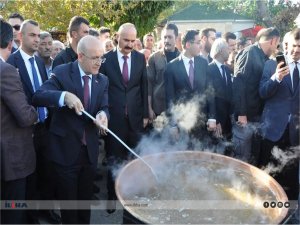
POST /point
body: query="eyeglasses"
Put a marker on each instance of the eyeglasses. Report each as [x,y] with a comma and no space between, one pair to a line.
[16,27]
[95,60]
[194,42]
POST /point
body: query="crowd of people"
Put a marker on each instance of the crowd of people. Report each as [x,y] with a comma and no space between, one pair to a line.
[50,147]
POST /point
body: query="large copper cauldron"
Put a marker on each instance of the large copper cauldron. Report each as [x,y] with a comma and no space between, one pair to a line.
[199,188]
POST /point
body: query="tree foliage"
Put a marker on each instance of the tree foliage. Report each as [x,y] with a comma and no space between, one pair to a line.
[145,14]
[56,14]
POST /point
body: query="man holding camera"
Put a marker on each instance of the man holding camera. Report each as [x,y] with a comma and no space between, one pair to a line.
[279,87]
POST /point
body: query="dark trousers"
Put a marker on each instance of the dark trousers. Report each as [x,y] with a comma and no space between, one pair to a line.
[40,185]
[288,177]
[75,182]
[13,190]
[117,153]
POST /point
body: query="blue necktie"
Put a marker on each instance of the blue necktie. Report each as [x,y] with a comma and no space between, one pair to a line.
[41,110]
[295,77]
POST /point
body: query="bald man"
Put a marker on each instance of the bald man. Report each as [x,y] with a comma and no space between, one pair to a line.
[125,69]
[74,137]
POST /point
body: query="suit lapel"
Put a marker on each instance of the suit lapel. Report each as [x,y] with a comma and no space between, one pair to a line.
[115,64]
[76,78]
[288,82]
[199,82]
[95,90]
[23,71]
[42,69]
[183,74]
[132,69]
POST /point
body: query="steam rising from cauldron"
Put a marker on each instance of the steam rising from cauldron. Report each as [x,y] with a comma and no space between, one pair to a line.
[284,158]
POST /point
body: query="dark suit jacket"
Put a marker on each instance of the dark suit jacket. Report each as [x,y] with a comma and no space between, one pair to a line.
[280,104]
[17,61]
[17,118]
[135,95]
[222,94]
[178,86]
[66,127]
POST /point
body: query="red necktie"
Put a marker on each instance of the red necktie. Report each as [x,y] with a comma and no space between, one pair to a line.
[86,99]
[125,70]
[86,92]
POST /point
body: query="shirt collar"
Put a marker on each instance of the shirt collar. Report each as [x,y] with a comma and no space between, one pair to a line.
[120,54]
[24,55]
[82,73]
[289,60]
[218,63]
[186,59]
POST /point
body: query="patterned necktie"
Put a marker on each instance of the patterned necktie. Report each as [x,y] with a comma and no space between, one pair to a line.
[125,70]
[224,74]
[41,110]
[191,73]
[295,77]
[86,92]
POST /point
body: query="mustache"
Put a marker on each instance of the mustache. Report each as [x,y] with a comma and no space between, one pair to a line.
[128,48]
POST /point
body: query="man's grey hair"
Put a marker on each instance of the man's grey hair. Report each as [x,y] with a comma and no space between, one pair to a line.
[218,45]
[45,34]
[85,42]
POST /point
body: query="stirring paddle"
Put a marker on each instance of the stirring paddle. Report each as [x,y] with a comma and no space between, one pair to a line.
[126,146]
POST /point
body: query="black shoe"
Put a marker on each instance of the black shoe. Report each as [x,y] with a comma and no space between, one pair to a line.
[51,216]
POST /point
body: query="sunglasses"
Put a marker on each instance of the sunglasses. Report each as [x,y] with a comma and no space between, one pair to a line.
[16,27]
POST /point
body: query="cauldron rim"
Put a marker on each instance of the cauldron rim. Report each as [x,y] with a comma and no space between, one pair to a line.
[252,169]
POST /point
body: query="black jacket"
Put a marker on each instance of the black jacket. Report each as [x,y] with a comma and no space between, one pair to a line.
[248,72]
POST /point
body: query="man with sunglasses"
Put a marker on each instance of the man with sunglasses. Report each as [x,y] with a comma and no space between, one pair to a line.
[15,20]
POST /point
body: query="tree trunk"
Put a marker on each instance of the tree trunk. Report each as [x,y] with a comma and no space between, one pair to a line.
[263,12]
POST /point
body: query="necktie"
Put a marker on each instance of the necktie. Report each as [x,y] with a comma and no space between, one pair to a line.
[86,99]
[86,92]
[295,77]
[41,110]
[125,70]
[191,73]
[224,74]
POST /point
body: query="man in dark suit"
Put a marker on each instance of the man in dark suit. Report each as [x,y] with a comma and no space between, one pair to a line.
[279,87]
[73,138]
[17,118]
[33,73]
[186,77]
[220,77]
[78,28]
[126,71]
